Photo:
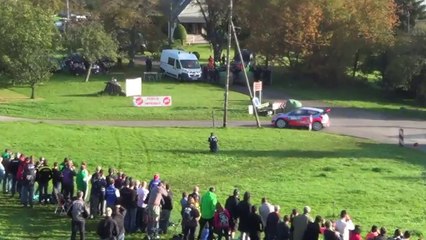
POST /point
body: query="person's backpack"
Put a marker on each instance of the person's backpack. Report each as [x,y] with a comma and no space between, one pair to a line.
[188,217]
[223,220]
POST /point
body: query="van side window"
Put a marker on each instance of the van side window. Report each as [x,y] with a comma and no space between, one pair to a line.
[171,61]
[177,64]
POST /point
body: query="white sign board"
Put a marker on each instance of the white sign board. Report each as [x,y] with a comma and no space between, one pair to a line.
[133,87]
[257,86]
[153,101]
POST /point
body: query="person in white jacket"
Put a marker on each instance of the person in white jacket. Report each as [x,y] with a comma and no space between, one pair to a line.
[344,225]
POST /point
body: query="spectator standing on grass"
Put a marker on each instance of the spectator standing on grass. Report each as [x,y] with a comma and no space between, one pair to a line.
[313,230]
[44,174]
[190,218]
[82,180]
[97,192]
[2,173]
[382,234]
[344,225]
[111,194]
[221,220]
[265,209]
[356,233]
[107,227]
[329,233]
[78,213]
[254,225]
[300,223]
[166,210]
[196,194]
[28,181]
[244,210]
[7,177]
[56,179]
[118,215]
[154,181]
[373,233]
[271,223]
[283,229]
[406,235]
[293,214]
[128,199]
[68,174]
[154,207]
[13,170]
[19,176]
[208,207]
[231,205]
[213,143]
[142,193]
[397,235]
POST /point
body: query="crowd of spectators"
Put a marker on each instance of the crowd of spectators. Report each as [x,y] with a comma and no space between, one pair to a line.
[124,205]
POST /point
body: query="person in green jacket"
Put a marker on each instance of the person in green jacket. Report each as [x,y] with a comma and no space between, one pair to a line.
[208,208]
[82,180]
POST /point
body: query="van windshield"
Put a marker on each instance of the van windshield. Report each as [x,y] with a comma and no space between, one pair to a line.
[190,64]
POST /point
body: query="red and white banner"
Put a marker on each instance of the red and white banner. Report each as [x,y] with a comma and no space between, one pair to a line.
[152,101]
[257,86]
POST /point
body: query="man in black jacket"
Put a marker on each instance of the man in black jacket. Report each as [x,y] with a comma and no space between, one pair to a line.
[44,174]
[166,209]
[128,199]
[231,205]
[13,170]
[107,227]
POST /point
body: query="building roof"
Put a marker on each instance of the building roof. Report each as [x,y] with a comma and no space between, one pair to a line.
[192,14]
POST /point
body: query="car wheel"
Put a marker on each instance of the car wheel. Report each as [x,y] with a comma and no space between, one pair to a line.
[316,126]
[281,123]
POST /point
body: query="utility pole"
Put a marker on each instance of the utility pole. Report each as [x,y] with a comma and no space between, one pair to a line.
[68,10]
[245,74]
[228,65]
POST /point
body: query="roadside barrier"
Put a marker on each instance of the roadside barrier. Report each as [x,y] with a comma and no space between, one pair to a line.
[401,137]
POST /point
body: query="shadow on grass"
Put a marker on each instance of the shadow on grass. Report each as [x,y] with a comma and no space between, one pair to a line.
[364,150]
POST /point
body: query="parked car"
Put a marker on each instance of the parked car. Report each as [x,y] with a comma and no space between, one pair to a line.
[301,118]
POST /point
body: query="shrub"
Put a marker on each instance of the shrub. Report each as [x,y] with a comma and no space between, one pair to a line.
[180,33]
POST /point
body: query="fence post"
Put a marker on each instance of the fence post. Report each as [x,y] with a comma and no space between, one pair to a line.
[401,137]
[213,119]
[310,122]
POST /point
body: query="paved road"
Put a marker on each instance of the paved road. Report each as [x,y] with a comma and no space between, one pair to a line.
[355,122]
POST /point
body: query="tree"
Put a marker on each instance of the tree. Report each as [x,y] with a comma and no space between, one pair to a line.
[93,43]
[27,42]
[131,22]
[215,13]
[180,33]
[409,11]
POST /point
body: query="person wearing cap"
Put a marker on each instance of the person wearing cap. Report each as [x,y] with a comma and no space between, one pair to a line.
[107,227]
[344,225]
[300,223]
[208,208]
[231,205]
[154,181]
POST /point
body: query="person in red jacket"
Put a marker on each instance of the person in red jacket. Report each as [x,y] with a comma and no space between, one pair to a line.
[356,233]
[221,222]
[20,172]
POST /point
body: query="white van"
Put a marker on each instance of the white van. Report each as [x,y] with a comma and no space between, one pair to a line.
[180,65]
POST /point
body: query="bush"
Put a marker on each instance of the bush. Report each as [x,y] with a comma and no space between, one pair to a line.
[197,54]
[180,33]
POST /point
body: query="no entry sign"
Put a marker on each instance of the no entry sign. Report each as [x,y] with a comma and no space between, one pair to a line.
[152,101]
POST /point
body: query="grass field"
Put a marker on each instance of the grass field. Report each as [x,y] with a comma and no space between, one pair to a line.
[67,97]
[378,184]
